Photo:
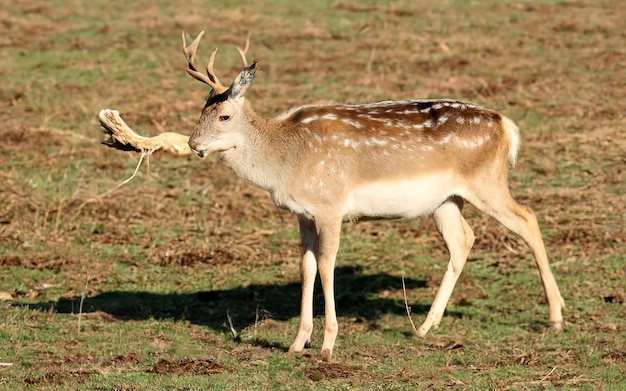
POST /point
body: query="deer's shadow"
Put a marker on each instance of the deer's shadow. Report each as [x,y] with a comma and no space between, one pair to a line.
[356,296]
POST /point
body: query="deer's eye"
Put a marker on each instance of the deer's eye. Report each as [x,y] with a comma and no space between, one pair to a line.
[223,118]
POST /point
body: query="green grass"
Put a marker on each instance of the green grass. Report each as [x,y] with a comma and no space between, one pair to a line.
[163,263]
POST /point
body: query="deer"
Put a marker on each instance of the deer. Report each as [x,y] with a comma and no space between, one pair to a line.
[334,163]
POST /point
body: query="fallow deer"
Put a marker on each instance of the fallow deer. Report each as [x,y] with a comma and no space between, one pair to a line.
[330,164]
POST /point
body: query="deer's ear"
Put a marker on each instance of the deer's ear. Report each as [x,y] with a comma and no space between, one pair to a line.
[242,82]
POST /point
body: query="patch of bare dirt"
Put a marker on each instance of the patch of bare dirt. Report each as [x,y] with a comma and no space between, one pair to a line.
[59,376]
[192,257]
[331,371]
[36,262]
[57,369]
[124,359]
[20,138]
[189,366]
[99,315]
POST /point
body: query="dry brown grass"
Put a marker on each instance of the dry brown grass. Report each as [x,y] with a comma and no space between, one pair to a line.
[556,68]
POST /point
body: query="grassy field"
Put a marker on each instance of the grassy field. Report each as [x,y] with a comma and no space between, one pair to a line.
[187,278]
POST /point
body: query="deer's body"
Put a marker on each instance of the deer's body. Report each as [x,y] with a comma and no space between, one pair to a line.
[379,160]
[396,159]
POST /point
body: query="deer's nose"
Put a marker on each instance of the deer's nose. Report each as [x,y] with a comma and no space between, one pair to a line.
[200,154]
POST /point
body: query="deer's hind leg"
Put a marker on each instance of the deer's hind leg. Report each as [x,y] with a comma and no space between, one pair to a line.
[494,198]
[459,238]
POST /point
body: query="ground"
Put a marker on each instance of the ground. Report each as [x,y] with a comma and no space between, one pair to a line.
[187,277]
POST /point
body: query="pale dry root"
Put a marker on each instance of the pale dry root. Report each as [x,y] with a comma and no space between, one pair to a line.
[122,137]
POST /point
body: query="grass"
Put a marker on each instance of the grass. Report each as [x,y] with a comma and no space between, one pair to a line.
[164,261]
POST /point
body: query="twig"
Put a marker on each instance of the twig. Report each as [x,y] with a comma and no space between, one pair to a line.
[232,328]
[256,321]
[57,218]
[508,247]
[370,61]
[408,309]
[548,375]
[144,154]
[82,300]
[6,364]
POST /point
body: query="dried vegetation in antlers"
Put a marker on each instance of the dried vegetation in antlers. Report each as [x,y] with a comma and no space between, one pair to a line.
[122,137]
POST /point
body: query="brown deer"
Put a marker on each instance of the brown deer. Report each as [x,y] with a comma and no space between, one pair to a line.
[330,164]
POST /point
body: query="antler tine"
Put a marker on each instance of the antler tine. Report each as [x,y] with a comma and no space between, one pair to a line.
[209,68]
[190,53]
[242,52]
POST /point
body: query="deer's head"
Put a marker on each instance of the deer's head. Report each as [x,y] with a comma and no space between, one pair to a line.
[223,121]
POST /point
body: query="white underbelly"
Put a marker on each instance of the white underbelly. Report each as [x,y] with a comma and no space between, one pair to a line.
[408,198]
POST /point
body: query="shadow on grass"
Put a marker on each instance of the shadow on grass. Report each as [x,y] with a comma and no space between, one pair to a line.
[354,291]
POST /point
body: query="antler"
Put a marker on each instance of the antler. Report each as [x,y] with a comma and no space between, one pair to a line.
[210,78]
[244,51]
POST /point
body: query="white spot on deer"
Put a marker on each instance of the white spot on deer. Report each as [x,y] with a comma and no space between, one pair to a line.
[460,120]
[402,124]
[375,142]
[352,123]
[407,112]
[350,143]
[472,143]
[318,138]
[310,119]
[330,116]
[446,139]
[442,120]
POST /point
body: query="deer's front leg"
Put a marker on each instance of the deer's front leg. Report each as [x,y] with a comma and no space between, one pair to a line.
[329,233]
[308,271]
